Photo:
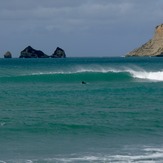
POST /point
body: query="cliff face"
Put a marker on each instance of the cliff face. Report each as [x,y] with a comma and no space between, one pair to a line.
[153,47]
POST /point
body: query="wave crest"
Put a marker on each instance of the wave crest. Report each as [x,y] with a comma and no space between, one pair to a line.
[89,74]
[139,74]
[154,76]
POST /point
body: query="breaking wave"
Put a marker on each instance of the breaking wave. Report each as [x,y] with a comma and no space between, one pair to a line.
[155,76]
[88,74]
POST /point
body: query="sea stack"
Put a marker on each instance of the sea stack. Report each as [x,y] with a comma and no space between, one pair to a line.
[8,55]
[58,53]
[30,52]
[153,48]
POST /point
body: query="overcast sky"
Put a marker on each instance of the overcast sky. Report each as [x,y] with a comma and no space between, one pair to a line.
[82,28]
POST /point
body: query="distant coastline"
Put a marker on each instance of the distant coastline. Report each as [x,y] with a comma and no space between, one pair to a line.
[152,48]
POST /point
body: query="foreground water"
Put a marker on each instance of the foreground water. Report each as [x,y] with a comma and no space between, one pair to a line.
[48,116]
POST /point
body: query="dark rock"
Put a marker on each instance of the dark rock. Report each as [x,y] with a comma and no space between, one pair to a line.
[7,55]
[58,53]
[29,52]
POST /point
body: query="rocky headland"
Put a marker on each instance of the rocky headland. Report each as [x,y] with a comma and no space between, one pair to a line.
[153,48]
[30,52]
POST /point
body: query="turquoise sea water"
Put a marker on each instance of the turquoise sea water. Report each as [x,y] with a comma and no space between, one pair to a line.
[48,116]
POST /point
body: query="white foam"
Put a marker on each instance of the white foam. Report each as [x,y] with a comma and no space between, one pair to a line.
[136,72]
[146,158]
[154,150]
[81,70]
[2,124]
[149,155]
[20,161]
[155,76]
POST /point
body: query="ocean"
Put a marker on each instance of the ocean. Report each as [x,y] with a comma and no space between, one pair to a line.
[81,110]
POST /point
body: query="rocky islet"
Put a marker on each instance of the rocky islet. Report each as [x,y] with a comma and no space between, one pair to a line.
[30,52]
[8,54]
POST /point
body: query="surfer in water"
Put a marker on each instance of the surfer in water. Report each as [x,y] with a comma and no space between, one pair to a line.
[83,82]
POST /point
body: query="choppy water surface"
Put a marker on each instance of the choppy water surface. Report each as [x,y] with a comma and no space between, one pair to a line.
[48,115]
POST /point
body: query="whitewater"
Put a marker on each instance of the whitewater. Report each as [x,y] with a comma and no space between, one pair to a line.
[154,76]
[133,72]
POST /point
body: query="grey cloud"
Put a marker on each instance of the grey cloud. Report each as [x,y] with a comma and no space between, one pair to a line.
[64,15]
[62,11]
[78,19]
